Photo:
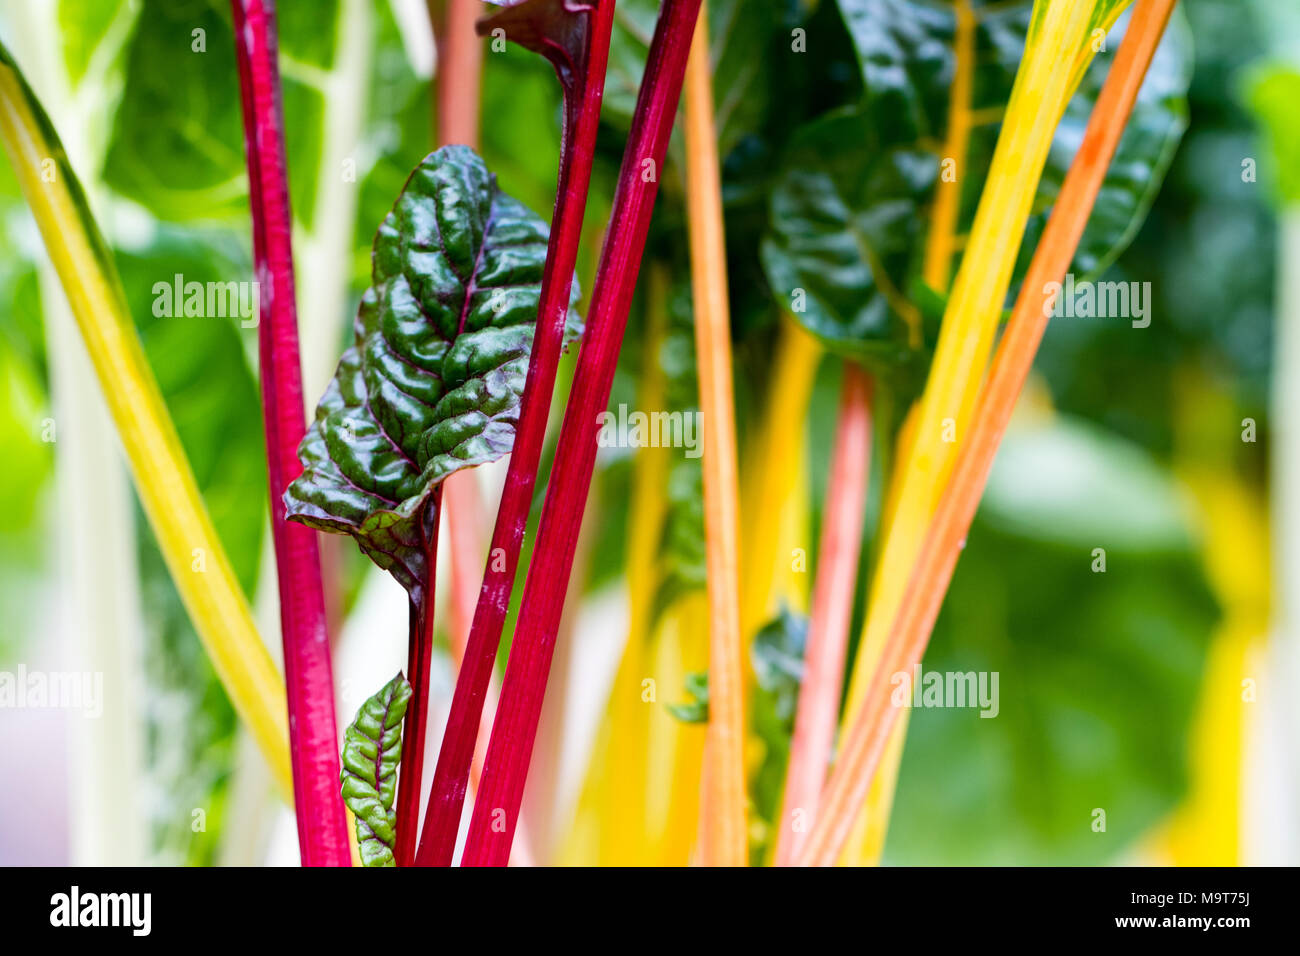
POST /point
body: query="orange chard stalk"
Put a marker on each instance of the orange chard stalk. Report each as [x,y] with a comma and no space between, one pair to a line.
[869,733]
[724,831]
[460,64]
[832,611]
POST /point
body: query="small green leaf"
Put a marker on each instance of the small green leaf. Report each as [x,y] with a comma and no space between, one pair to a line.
[372,749]
[778,661]
[696,711]
[434,381]
[777,656]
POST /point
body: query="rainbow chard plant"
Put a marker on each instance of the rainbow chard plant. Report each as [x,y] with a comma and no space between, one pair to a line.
[505,770]
[574,36]
[432,386]
[862,266]
[824,298]
[910,627]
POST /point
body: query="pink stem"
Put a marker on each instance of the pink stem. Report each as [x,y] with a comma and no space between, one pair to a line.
[583,87]
[832,609]
[416,723]
[313,740]
[496,809]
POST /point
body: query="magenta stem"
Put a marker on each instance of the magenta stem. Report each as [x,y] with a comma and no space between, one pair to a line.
[505,770]
[419,651]
[313,740]
[583,87]
[832,611]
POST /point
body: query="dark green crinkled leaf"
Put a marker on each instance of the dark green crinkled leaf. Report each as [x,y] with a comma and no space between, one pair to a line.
[849,213]
[372,749]
[434,381]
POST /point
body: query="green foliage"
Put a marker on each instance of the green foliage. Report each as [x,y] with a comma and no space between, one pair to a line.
[212,397]
[434,381]
[849,211]
[846,226]
[28,462]
[1207,248]
[682,556]
[82,25]
[777,657]
[1094,699]
[1274,96]
[740,33]
[1142,159]
[177,146]
[696,709]
[1098,670]
[372,749]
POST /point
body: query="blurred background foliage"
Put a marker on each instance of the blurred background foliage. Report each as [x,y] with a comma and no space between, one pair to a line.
[1099,673]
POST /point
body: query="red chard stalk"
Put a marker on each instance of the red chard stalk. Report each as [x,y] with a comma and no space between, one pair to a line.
[431,386]
[514,730]
[313,739]
[574,36]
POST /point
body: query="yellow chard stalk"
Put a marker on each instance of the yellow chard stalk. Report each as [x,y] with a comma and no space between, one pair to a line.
[774,504]
[1060,31]
[166,486]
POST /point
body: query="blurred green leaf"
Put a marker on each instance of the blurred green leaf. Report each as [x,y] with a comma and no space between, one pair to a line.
[1098,671]
[1143,157]
[849,212]
[177,145]
[696,710]
[1273,92]
[740,33]
[212,397]
[777,658]
[1080,487]
[82,25]
[682,549]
